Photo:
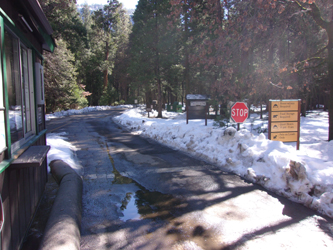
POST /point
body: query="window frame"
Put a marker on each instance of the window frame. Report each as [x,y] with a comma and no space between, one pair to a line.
[31,92]
[3,132]
[14,146]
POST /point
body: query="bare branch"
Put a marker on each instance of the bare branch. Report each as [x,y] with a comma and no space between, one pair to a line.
[275,85]
[320,51]
[314,12]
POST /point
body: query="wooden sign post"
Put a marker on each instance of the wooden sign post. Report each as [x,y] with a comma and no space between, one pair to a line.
[284,120]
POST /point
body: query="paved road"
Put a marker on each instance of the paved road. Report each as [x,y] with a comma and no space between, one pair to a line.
[139,194]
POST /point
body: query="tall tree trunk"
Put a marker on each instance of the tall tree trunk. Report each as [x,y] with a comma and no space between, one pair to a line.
[157,71]
[186,64]
[330,81]
[106,70]
[328,26]
[219,11]
[149,98]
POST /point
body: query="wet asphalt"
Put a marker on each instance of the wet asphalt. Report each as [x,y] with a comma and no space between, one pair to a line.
[139,194]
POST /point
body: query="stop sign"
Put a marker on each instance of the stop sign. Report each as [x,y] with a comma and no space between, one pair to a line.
[239,112]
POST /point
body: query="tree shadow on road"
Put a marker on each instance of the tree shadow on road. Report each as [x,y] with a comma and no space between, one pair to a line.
[157,232]
[194,196]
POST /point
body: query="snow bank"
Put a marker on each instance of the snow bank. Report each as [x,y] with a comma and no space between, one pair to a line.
[61,149]
[304,176]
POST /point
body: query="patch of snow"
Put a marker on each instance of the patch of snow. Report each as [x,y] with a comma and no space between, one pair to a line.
[61,149]
[82,111]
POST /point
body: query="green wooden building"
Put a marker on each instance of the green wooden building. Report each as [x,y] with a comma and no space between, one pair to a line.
[24,34]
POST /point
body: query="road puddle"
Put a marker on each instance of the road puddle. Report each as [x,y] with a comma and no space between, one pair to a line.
[144,204]
[139,202]
[129,208]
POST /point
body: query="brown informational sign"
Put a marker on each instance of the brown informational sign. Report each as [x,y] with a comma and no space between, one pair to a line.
[284,120]
[285,137]
[196,107]
[284,126]
[284,116]
[284,105]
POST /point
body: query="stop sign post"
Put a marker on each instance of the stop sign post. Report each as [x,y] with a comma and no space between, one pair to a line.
[239,112]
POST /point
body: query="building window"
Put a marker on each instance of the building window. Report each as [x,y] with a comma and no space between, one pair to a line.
[26,90]
[3,144]
[20,90]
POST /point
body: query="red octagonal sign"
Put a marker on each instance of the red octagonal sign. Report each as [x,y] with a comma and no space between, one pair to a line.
[239,112]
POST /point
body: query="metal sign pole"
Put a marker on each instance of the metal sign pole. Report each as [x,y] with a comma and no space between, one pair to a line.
[187,110]
[206,114]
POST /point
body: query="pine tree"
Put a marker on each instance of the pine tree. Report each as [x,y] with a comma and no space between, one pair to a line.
[71,40]
[107,19]
[154,49]
[61,90]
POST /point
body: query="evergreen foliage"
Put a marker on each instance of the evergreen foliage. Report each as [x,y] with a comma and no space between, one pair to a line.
[155,52]
[61,90]
[232,50]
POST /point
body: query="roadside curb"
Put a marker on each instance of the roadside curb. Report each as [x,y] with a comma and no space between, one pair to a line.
[63,226]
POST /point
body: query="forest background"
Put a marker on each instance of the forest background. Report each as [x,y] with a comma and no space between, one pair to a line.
[231,50]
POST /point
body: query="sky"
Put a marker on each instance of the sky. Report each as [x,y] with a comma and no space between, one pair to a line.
[247,152]
[128,4]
